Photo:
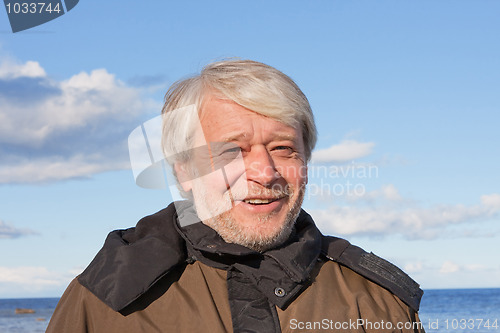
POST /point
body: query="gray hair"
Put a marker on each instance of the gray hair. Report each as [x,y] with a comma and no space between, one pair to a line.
[253,85]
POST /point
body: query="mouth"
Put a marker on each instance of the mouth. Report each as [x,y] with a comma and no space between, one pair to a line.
[261,201]
[261,204]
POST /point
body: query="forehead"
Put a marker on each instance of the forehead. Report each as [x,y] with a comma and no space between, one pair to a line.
[225,120]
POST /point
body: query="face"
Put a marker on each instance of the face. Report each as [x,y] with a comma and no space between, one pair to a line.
[248,176]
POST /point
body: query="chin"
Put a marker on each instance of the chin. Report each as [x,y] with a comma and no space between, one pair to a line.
[257,228]
[260,233]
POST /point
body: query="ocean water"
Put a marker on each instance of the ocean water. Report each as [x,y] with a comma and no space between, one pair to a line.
[461,310]
[10,322]
[445,310]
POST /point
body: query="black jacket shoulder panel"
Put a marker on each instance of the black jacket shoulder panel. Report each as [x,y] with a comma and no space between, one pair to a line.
[374,268]
[149,251]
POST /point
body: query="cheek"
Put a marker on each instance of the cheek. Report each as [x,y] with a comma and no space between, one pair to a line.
[212,182]
[221,180]
[220,172]
[231,175]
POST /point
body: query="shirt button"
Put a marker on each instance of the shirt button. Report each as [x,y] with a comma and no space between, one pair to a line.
[280,292]
[211,246]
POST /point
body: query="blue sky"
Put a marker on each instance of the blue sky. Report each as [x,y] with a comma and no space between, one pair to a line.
[405,96]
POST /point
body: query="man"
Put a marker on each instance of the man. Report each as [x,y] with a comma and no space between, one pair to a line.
[239,255]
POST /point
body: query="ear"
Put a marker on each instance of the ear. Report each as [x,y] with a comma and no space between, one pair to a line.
[183,176]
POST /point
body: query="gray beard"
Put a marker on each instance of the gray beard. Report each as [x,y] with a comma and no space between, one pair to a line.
[232,232]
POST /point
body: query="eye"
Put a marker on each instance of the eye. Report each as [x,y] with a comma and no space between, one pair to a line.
[225,155]
[224,149]
[282,151]
[283,148]
[232,150]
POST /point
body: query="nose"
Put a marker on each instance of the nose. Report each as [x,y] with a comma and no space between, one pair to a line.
[260,167]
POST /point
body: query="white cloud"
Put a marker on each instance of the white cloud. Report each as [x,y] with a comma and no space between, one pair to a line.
[451,273]
[57,168]
[10,69]
[83,100]
[475,267]
[449,267]
[52,130]
[405,218]
[413,267]
[345,151]
[40,276]
[9,231]
[491,202]
[387,192]
[390,192]
[76,271]
[32,280]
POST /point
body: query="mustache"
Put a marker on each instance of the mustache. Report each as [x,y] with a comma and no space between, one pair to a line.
[259,192]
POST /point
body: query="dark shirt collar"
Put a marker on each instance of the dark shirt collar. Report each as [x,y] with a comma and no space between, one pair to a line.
[286,268]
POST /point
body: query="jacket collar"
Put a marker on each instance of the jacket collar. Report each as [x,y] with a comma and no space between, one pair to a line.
[286,268]
[132,260]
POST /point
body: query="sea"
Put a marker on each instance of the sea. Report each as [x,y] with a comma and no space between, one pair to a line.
[441,310]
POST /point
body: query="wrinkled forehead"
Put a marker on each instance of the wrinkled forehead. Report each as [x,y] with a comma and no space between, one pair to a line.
[222,120]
